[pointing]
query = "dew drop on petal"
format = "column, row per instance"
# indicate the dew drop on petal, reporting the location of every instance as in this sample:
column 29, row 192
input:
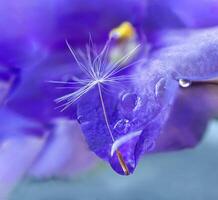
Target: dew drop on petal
column 122, row 126
column 80, row 119
column 184, row 83
column 149, row 145
column 129, row 101
column 160, row 87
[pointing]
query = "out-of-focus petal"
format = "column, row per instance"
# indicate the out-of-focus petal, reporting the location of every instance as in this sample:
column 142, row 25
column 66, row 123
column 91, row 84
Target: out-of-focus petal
column 8, row 81
column 191, row 12
column 180, row 14
column 15, row 125
column 15, row 56
column 37, row 94
column 65, row 152
column 17, row 155
column 161, row 15
column 51, row 22
column 20, row 142
column 189, row 116
column 20, row 53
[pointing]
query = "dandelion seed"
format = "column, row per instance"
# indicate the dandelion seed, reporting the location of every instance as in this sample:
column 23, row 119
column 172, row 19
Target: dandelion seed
column 99, row 72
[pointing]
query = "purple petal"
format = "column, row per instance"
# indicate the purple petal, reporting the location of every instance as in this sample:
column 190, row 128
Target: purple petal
column 51, row 22
column 191, row 12
column 156, row 86
column 189, row 116
column 127, row 119
column 180, row 14
column 17, row 156
column 192, row 56
column 65, row 152
column 18, row 150
column 8, row 80
column 38, row 94
column 20, row 53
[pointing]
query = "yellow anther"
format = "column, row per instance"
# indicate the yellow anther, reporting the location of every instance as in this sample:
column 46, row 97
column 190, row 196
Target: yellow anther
column 123, row 32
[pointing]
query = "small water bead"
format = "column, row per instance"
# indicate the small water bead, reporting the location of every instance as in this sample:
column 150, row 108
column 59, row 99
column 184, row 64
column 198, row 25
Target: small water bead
column 149, row 145
column 160, row 87
column 184, row 83
column 130, row 101
column 122, row 126
column 80, row 119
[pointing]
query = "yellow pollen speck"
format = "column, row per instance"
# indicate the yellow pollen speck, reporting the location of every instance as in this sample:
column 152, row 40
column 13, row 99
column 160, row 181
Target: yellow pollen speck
column 123, row 32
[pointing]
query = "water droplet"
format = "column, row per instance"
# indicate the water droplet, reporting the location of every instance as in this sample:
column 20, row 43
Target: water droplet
column 80, row 119
column 149, row 145
column 184, row 83
column 160, row 87
column 122, row 126
column 129, row 101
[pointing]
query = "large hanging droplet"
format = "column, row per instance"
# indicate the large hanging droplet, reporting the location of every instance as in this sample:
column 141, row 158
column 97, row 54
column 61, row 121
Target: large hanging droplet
column 122, row 126
column 184, row 83
column 129, row 101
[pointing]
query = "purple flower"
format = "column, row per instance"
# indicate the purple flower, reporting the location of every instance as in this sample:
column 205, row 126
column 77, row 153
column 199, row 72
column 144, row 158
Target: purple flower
column 138, row 112
column 142, row 93
column 41, row 139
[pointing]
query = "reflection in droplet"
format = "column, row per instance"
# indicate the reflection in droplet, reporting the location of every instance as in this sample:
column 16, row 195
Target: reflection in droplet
column 129, row 101
column 122, row 126
column 184, row 83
